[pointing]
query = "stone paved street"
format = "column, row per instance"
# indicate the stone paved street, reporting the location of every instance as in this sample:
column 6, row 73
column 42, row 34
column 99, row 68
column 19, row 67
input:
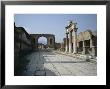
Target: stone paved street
column 49, row 63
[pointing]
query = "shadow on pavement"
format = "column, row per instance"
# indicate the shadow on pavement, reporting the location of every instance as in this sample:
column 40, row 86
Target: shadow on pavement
column 38, row 69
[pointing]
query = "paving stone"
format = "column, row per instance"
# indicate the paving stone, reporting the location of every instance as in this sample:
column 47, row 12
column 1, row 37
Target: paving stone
column 48, row 63
column 40, row 73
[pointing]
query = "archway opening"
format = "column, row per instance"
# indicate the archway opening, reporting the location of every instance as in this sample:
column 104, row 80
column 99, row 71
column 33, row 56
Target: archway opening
column 42, row 43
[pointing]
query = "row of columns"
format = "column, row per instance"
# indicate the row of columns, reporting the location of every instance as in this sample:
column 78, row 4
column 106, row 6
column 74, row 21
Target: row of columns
column 71, row 46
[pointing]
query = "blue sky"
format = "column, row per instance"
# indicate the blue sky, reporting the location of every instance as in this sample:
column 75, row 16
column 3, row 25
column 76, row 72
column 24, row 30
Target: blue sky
column 55, row 23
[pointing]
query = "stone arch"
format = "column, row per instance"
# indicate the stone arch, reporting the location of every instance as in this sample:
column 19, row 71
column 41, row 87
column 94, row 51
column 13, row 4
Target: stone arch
column 50, row 39
column 42, row 40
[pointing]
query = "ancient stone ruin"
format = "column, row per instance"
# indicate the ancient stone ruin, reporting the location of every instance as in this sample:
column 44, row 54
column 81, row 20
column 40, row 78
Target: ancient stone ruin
column 82, row 43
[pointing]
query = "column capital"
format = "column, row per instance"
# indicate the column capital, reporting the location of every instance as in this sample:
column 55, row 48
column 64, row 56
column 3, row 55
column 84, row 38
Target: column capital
column 67, row 32
column 75, row 29
column 70, row 30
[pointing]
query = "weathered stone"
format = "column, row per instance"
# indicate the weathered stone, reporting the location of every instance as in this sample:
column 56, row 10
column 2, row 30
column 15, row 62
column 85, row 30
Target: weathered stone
column 50, row 39
column 85, row 42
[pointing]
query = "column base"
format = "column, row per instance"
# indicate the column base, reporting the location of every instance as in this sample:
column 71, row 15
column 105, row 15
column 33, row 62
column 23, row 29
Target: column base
column 74, row 52
column 70, row 51
column 66, row 51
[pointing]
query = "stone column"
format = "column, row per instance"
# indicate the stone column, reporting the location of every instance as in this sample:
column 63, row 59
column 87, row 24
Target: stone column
column 91, row 43
column 67, row 46
column 75, row 41
column 70, row 41
column 84, row 50
column 62, row 47
column 53, row 42
column 92, row 47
